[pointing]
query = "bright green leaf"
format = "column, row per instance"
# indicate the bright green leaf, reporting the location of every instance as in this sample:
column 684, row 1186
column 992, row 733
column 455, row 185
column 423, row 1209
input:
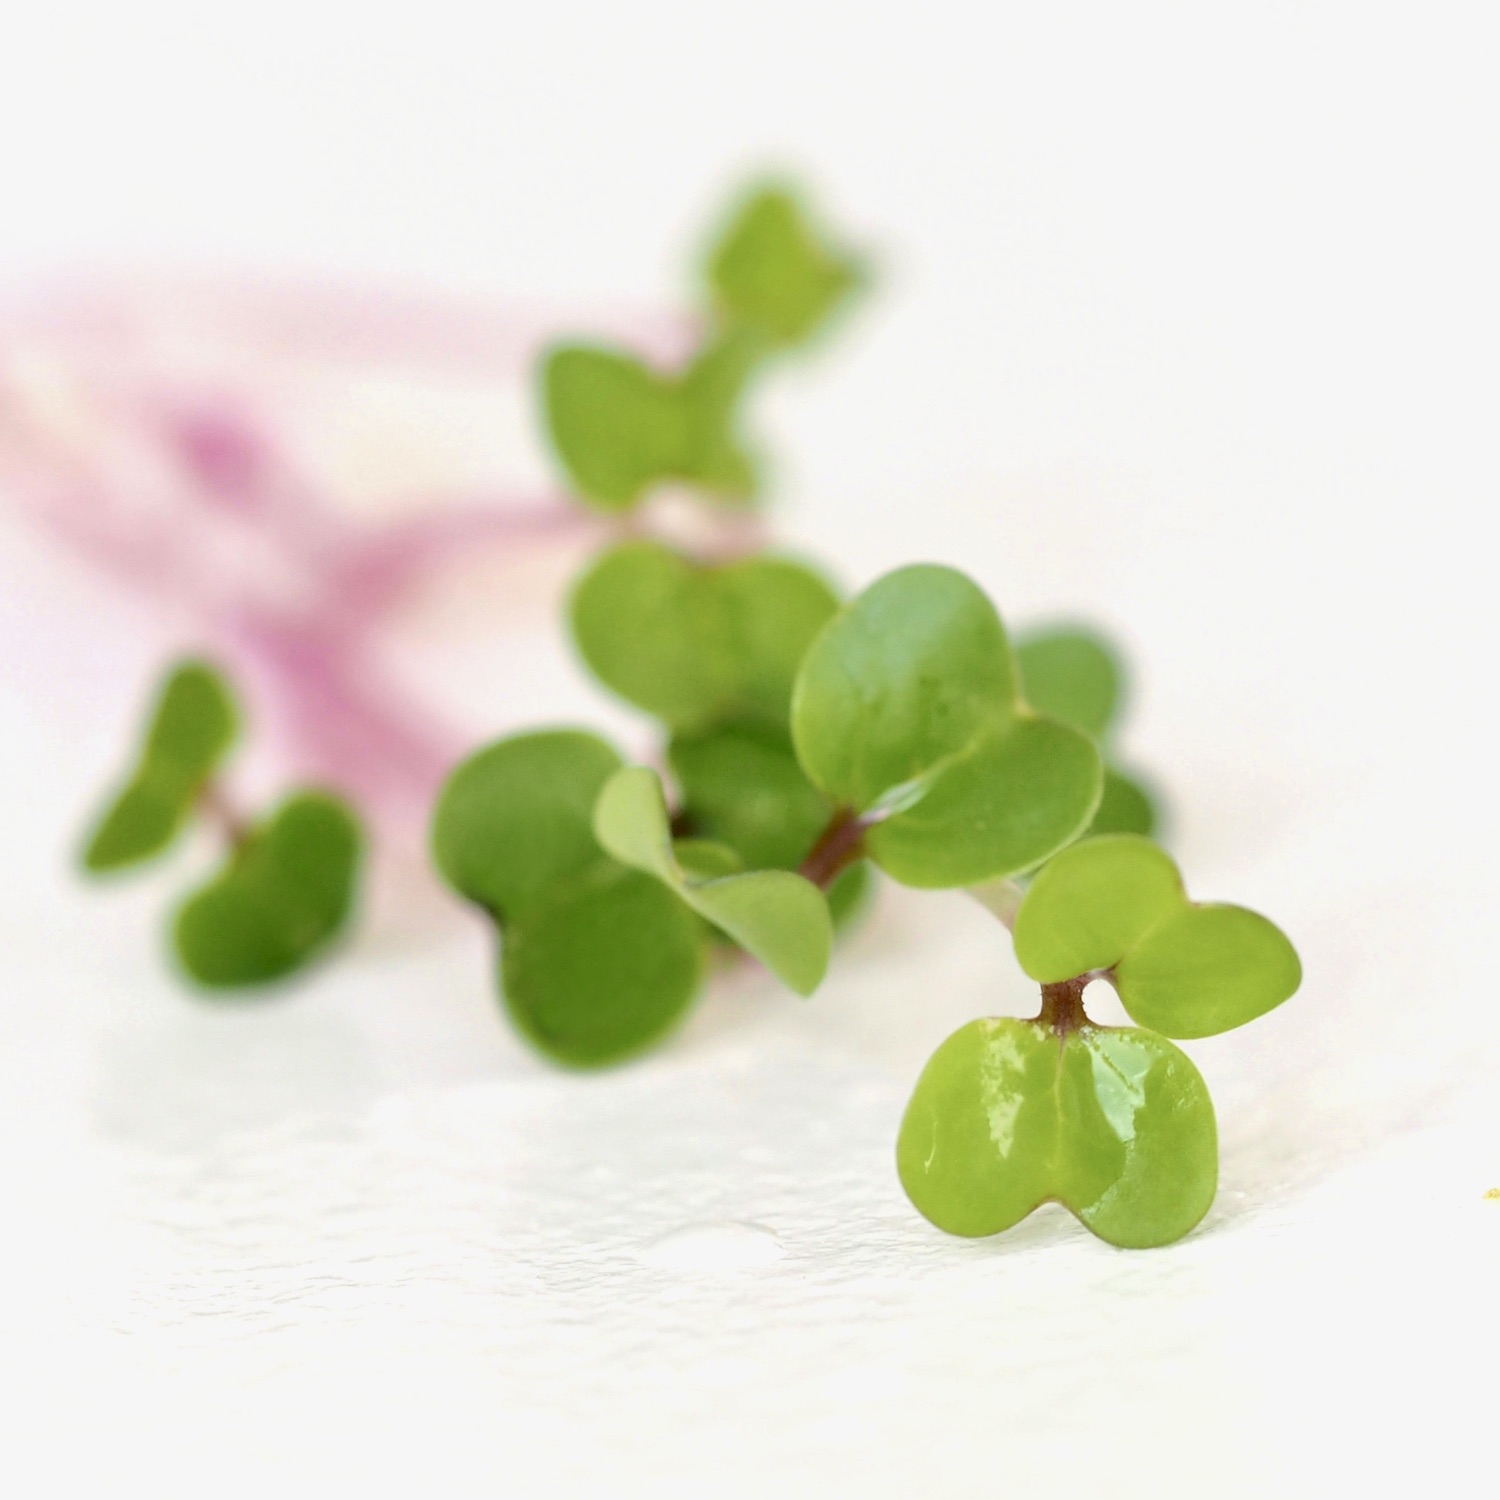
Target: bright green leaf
column 1071, row 674
column 775, row 915
column 1091, row 904
column 695, row 644
column 906, row 710
column 1207, row 969
column 1115, row 1124
column 1117, row 903
column 1003, row 807
column 517, row 816
column 601, row 965
column 773, row 272
column 192, row 728
column 282, row 897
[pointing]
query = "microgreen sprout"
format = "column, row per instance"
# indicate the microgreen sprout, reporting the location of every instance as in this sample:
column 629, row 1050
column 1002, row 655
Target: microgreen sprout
column 288, row 882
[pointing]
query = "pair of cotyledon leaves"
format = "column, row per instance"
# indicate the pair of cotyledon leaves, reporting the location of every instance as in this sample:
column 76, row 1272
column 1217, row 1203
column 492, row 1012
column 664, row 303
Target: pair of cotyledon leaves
column 1115, row 1123
column 287, row 887
column 904, row 710
column 621, row 427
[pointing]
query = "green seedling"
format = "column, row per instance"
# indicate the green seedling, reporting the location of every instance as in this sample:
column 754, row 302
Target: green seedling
column 1073, row 674
column 288, row 884
column 620, row 428
column 1113, row 1122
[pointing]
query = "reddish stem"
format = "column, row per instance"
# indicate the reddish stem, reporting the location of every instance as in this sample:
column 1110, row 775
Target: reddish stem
column 839, row 845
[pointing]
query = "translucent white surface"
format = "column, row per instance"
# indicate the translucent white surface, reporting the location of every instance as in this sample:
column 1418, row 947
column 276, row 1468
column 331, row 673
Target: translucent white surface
column 1188, row 326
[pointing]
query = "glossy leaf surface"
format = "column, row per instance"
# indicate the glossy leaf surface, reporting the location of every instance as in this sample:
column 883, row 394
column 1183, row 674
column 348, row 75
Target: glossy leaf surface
column 775, row 915
column 1114, row 1124
column 192, row 727
column 692, row 644
column 282, row 897
column 602, row 965
column 906, row 709
column 518, row 815
column 773, row 272
column 1185, row 970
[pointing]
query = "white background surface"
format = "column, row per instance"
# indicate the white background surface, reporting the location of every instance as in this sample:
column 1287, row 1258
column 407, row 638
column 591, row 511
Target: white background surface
column 1188, row 319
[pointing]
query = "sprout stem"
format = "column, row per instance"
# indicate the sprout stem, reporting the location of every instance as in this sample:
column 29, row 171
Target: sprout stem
column 1062, row 1005
column 840, row 845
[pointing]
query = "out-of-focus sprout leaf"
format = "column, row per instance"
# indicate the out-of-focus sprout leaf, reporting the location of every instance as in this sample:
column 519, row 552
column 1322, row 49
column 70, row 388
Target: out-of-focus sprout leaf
column 1125, row 807
column 601, row 965
column 775, row 915
column 1116, row 1125
column 693, row 644
column 192, row 727
column 620, row 428
column 773, row 271
column 1071, row 674
column 1117, row 904
column 517, row 816
column 741, row 784
column 906, row 710
column 285, row 893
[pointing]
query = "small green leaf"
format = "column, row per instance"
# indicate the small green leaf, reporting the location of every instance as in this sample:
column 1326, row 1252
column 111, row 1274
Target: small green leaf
column 1207, row 969
column 192, row 728
column 702, row 859
column 850, row 895
column 601, row 965
column 1125, row 807
column 694, row 644
column 741, row 784
column 775, row 915
column 1117, row 903
column 1070, row 673
column 906, row 710
column 1091, row 904
column 283, row 896
column 1115, row 1124
column 517, row 816
column 772, row 271
column 617, row 426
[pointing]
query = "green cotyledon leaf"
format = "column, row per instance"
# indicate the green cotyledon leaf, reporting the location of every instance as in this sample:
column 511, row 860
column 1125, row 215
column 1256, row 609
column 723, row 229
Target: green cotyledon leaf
column 517, row 816
column 284, row 894
column 192, row 728
column 1125, row 807
column 601, row 965
column 695, row 644
column 906, row 710
column 1116, row 1124
column 772, row 271
column 620, row 428
column 775, row 915
column 1117, row 904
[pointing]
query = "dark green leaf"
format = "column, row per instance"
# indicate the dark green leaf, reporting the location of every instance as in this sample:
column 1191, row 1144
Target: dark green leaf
column 283, row 896
column 1071, row 674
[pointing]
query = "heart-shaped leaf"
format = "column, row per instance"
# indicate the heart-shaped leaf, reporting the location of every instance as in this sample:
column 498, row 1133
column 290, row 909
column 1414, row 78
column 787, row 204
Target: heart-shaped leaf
column 906, row 710
column 191, row 729
column 1116, row 1125
column 603, row 964
column 694, row 644
column 771, row 271
column 1117, row 903
column 283, row 896
column 775, row 915
column 518, row 816
column 620, row 427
